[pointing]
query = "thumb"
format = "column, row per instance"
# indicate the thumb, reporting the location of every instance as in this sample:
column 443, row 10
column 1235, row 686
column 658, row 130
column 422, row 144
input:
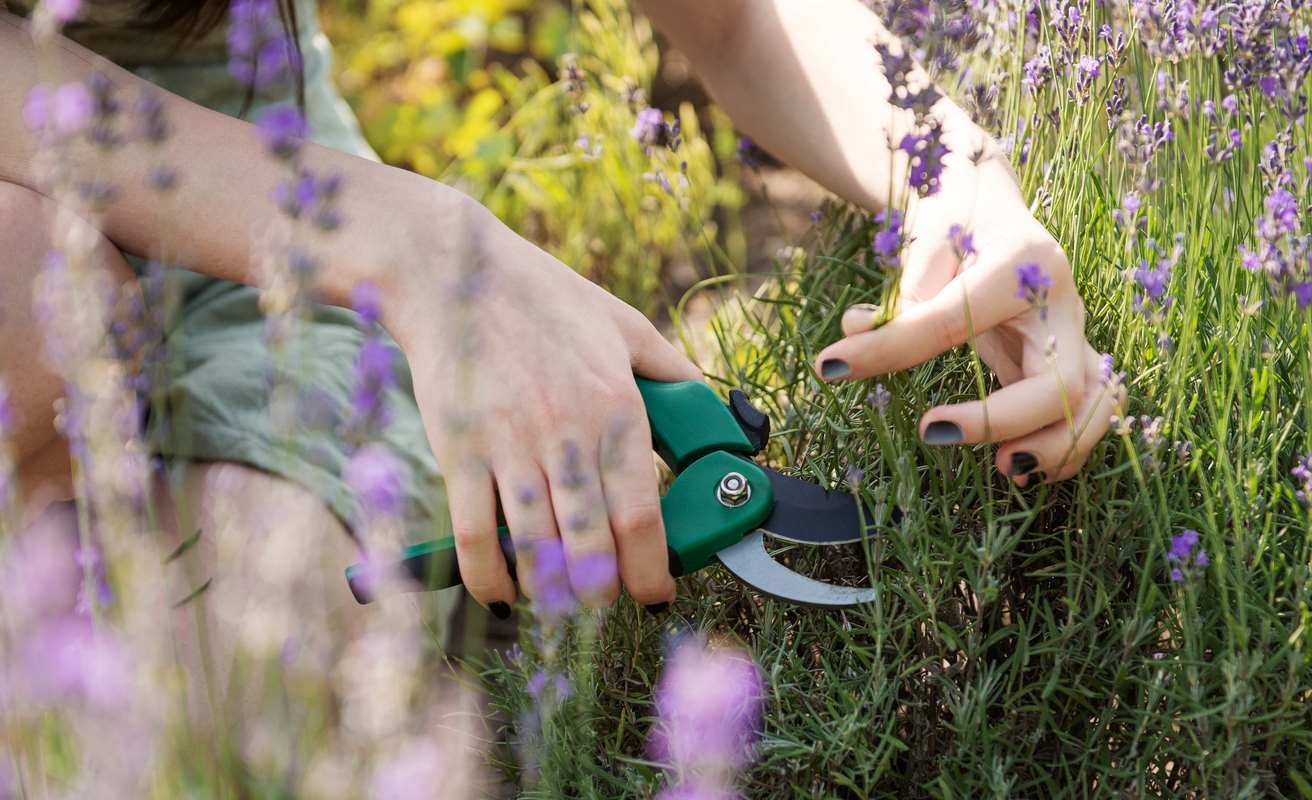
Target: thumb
column 655, row 358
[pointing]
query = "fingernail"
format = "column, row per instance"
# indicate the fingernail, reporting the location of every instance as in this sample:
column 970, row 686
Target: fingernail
column 656, row 609
column 871, row 307
column 500, row 610
column 944, row 432
column 1022, row 463
column 831, row 369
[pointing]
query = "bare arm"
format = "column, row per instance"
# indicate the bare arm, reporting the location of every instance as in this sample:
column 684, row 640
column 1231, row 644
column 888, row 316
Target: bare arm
column 524, row 378
column 803, row 79
column 227, row 180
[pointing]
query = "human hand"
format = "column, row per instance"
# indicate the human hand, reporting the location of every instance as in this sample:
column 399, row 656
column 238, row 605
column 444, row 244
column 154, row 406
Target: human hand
column 1009, row 287
column 524, row 376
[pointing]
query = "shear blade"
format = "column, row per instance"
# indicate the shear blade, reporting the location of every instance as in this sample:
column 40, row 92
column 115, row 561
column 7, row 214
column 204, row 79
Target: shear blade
column 805, row 513
column 751, row 564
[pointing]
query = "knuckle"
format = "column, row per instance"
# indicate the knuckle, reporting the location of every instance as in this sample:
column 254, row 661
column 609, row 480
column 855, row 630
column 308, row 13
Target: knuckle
column 948, row 327
column 467, row 536
column 635, row 521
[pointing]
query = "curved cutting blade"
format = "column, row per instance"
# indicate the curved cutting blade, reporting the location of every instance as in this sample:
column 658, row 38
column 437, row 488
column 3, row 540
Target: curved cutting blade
column 751, row 564
column 804, row 513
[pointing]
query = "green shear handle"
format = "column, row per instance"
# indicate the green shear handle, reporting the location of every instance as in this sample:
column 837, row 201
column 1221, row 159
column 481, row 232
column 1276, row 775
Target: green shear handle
column 717, row 498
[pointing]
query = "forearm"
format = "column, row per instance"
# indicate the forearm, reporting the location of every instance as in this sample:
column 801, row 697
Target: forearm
column 802, row 78
column 210, row 220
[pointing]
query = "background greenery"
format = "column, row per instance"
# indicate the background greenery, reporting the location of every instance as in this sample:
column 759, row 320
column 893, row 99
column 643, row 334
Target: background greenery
column 1025, row 643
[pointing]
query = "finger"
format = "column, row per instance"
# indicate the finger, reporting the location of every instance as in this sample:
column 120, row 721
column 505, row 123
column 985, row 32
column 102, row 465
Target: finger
column 861, row 318
column 1059, row 450
column 1021, row 407
column 474, row 526
column 972, row 302
column 995, row 348
column 633, row 502
column 580, row 510
column 527, row 509
column 928, row 263
column 651, row 355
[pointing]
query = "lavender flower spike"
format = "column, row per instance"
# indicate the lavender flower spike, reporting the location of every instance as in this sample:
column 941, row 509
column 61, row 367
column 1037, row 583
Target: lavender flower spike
column 1032, row 285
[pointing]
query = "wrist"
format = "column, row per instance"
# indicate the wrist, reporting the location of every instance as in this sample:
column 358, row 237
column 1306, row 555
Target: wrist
column 440, row 234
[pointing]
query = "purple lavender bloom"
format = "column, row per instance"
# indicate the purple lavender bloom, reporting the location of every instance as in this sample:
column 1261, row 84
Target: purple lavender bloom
column 367, row 301
column 552, row 596
column 375, row 374
column 1302, row 472
column 853, row 474
column 888, row 239
column 260, row 54
column 592, row 572
column 926, row 152
column 1107, row 374
column 411, row 772
column 879, row 398
column 963, row 242
column 72, row 659
column 283, row 128
column 1032, row 285
column 1186, row 555
column 648, row 127
column 708, row 704
column 543, row 682
column 377, row 477
column 67, row 110
column 1282, row 210
column 747, row 153
column 63, row 11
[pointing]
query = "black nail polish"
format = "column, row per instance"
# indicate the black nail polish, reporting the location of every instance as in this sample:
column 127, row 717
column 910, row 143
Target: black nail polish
column 500, row 610
column 1022, row 463
column 657, row 609
column 944, row 432
column 871, row 307
column 831, row 369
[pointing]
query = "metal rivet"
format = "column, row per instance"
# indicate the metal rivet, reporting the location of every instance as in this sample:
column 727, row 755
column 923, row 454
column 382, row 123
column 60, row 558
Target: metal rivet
column 734, row 490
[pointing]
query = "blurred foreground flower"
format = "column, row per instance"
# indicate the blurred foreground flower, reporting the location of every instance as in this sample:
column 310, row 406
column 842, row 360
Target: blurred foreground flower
column 709, row 711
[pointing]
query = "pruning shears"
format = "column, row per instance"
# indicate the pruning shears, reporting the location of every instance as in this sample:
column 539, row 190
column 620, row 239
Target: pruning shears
column 719, row 506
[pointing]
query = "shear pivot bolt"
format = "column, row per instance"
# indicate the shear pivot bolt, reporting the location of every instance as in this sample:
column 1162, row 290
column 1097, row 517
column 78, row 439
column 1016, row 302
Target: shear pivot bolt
column 734, row 490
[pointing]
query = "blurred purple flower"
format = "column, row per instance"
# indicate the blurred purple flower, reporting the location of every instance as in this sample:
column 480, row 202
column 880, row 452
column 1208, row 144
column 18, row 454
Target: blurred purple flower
column 66, row 110
column 1032, row 285
column 552, row 596
column 377, row 477
column 374, row 374
column 648, row 127
column 367, row 301
column 1302, row 472
column 64, row 11
column 260, row 53
column 592, row 572
column 1183, row 556
column 747, row 152
column 72, row 659
column 1107, row 374
column 39, row 577
column 414, row 771
column 543, row 682
column 963, row 242
column 853, row 474
column 282, row 128
column 708, row 706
